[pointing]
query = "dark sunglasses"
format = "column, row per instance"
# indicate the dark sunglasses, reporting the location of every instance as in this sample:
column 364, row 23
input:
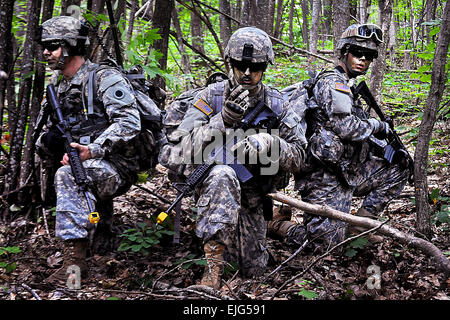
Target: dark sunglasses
column 51, row 46
column 244, row 65
column 359, row 53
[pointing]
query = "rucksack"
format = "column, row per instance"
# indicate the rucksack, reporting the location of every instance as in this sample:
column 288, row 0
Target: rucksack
column 152, row 136
column 299, row 95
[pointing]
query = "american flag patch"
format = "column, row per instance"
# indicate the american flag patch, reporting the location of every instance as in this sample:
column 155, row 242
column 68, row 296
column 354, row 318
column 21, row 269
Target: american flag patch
column 342, row 87
column 203, row 107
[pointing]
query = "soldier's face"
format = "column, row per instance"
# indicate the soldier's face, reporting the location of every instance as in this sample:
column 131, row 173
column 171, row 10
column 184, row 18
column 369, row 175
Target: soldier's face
column 358, row 64
column 52, row 54
column 247, row 78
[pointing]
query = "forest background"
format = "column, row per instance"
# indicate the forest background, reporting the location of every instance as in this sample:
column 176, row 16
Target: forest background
column 179, row 43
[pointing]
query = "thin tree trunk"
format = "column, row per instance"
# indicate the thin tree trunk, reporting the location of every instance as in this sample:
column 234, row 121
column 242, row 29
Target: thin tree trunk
column 27, row 67
column 291, row 22
column 305, row 12
column 131, row 17
column 185, row 63
column 161, row 19
column 314, row 32
column 37, row 95
column 225, row 22
column 341, row 20
column 379, row 65
column 6, row 8
column 438, row 80
column 280, row 7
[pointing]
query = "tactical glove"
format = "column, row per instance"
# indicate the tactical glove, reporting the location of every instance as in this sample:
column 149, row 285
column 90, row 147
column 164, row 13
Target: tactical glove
column 259, row 143
column 383, row 130
column 235, row 106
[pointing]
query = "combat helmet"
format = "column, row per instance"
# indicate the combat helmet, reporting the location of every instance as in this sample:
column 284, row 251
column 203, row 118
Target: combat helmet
column 367, row 36
column 250, row 44
column 65, row 28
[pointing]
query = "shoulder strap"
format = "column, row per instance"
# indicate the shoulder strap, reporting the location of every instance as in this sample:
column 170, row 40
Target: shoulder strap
column 217, row 99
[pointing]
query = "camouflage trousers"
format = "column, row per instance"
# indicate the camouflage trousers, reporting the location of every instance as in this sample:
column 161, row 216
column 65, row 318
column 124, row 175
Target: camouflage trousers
column 233, row 217
column 72, row 211
column 376, row 180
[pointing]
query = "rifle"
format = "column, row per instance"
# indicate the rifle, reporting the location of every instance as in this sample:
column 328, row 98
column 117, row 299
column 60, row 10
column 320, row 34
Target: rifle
column 261, row 115
column 394, row 150
column 76, row 166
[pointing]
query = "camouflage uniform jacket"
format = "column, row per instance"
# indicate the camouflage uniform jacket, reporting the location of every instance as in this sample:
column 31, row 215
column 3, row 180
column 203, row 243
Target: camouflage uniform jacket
column 110, row 128
column 197, row 126
column 342, row 127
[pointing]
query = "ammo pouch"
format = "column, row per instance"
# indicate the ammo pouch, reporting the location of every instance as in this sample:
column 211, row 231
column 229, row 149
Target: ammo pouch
column 326, row 147
column 87, row 131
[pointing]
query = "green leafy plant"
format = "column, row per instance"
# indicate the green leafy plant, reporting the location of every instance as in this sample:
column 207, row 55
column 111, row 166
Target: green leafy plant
column 140, row 239
column 359, row 243
column 305, row 289
column 6, row 252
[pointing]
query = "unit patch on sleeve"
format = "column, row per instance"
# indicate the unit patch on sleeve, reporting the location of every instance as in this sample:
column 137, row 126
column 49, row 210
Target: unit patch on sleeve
column 203, row 107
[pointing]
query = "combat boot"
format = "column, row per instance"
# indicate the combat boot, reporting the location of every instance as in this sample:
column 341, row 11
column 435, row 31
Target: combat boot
column 74, row 253
column 215, row 262
column 281, row 223
column 355, row 230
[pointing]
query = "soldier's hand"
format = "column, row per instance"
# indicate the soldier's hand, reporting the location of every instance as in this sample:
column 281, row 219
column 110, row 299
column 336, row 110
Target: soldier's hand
column 383, row 131
column 83, row 152
column 235, row 106
column 259, row 143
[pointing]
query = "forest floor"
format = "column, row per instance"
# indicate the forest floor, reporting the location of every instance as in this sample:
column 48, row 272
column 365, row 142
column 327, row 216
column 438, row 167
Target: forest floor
column 172, row 272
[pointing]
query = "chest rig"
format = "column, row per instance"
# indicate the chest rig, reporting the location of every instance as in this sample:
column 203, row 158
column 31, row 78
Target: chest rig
column 81, row 107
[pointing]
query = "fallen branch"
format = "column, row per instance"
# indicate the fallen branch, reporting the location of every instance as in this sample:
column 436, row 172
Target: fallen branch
column 322, row 210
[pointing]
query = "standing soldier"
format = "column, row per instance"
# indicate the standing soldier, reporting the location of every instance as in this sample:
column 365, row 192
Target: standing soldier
column 230, row 218
column 342, row 161
column 104, row 126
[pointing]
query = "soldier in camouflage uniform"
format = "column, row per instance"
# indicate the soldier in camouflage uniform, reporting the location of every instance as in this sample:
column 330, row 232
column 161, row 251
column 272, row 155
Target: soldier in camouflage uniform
column 341, row 161
column 230, row 213
column 104, row 127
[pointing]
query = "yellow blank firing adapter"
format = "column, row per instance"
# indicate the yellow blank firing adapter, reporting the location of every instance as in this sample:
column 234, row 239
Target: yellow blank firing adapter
column 94, row 217
column 161, row 217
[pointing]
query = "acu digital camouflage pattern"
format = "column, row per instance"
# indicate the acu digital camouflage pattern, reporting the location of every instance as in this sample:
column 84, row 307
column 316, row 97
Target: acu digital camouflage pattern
column 229, row 212
column 62, row 28
column 358, row 171
column 113, row 167
column 262, row 45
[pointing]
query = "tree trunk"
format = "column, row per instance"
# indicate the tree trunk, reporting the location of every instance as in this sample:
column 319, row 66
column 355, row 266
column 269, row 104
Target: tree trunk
column 161, row 19
column 131, row 17
column 37, row 95
column 341, row 20
column 197, row 33
column 185, row 63
column 291, row 22
column 438, row 80
column 280, row 7
column 6, row 9
column 261, row 15
column 27, row 67
column 379, row 65
column 225, row 22
column 271, row 17
column 245, row 18
column 305, row 12
column 314, row 32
